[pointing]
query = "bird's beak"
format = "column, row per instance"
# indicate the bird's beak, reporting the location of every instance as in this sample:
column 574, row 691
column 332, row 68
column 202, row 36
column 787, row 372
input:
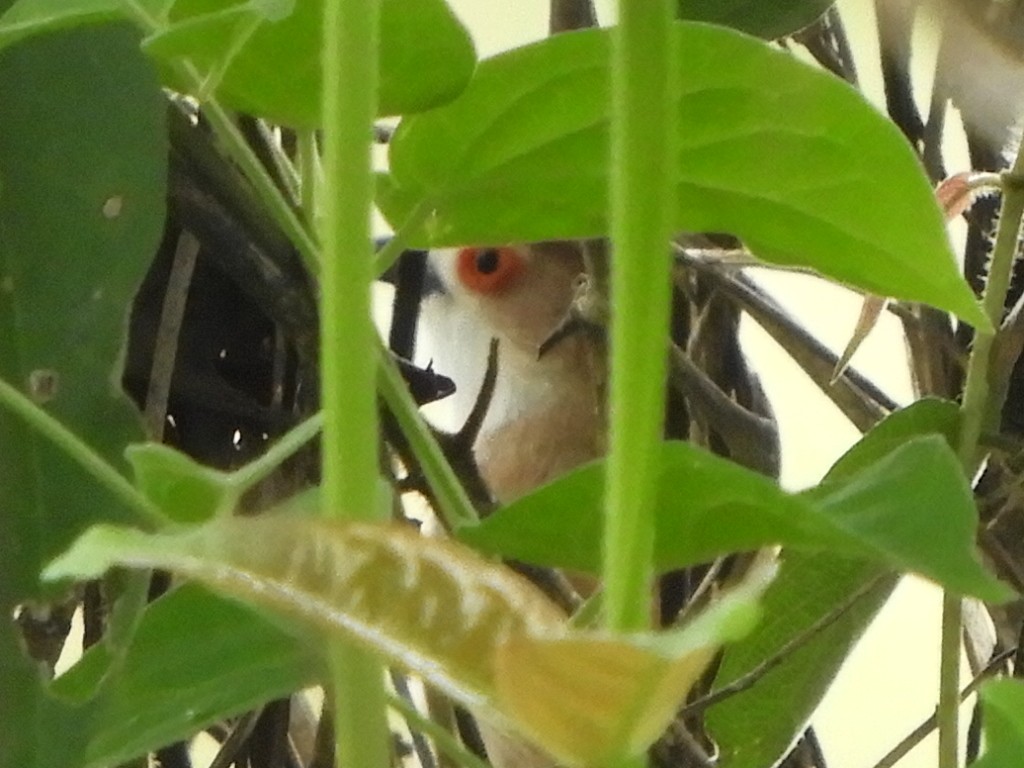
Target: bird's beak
column 414, row 278
column 425, row 384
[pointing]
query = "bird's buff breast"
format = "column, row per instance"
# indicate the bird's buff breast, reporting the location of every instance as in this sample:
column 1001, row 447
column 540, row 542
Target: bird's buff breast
column 524, row 453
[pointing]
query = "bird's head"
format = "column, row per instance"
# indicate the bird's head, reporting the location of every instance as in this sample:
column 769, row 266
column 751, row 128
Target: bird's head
column 520, row 293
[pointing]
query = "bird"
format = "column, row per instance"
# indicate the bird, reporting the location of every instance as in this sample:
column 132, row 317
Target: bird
column 546, row 414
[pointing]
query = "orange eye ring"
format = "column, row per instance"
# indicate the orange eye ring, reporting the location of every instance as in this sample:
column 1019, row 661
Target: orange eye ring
column 489, row 270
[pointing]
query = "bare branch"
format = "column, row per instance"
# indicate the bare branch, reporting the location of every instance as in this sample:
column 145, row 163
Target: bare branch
column 567, row 15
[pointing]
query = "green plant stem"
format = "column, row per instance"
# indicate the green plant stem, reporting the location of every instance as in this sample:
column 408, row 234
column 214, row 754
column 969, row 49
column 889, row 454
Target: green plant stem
column 453, row 502
column 979, row 411
column 82, row 454
column 238, row 40
column 238, row 148
column 348, row 365
column 259, row 469
column 399, row 241
column 948, row 712
column 360, row 715
column 641, row 194
column 126, row 615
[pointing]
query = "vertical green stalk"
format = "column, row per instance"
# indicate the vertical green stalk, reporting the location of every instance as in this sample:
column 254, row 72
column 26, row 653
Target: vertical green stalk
column 641, row 195
column 948, row 713
column 978, row 412
column 348, row 359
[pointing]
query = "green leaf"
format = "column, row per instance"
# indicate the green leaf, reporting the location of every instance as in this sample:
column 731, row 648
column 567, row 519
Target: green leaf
column 560, row 689
column 58, row 731
column 1003, row 702
column 26, row 18
column 427, row 56
column 195, row 659
column 928, row 416
column 471, row 627
column 82, row 184
column 914, row 511
column 187, row 492
column 83, row 163
column 442, row 610
column 277, row 73
column 708, row 506
column 757, row 726
column 755, row 17
column 785, row 156
column 225, row 30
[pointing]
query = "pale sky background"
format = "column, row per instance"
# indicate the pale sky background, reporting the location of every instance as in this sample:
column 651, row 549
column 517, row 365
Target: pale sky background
column 890, row 685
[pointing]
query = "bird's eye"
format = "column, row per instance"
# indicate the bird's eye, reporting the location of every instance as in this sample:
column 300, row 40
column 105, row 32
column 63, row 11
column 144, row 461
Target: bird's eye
column 489, row 270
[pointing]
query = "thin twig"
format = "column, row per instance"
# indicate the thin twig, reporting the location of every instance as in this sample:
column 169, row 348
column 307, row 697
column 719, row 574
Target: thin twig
column 165, row 349
column 567, row 15
column 698, row 599
column 863, row 403
column 894, row 25
column 283, row 165
column 935, row 126
column 826, row 41
column 474, row 422
column 424, row 757
column 444, row 740
column 752, row 439
column 410, row 278
column 236, row 739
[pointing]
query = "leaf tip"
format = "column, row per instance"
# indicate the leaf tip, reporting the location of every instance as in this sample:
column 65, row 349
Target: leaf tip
column 90, row 555
column 996, row 591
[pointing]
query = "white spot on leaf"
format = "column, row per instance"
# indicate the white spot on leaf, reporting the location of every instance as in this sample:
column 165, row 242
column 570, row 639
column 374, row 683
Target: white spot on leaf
column 112, row 206
column 43, row 385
